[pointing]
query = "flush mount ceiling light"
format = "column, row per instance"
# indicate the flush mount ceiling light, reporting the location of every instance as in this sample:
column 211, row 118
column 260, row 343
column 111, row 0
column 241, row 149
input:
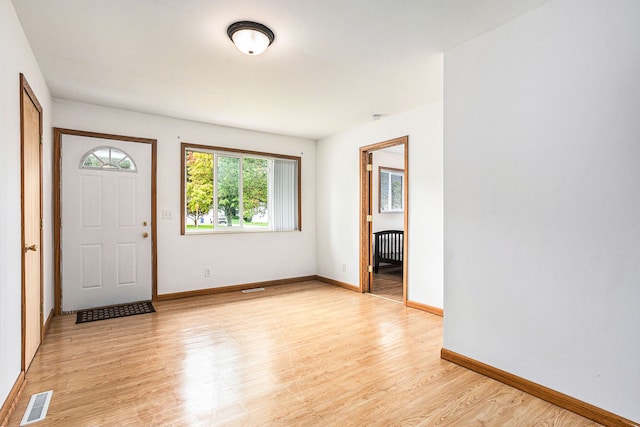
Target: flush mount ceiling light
column 250, row 38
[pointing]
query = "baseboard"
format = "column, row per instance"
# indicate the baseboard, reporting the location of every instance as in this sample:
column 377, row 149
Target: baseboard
column 12, row 399
column 559, row 399
column 211, row 291
column 47, row 324
column 424, row 307
column 338, row 283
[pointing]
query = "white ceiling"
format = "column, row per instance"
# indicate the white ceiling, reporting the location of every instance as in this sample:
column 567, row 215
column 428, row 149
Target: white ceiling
column 333, row 64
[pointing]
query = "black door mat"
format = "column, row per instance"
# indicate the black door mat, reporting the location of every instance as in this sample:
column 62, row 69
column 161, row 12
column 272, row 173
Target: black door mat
column 116, row 311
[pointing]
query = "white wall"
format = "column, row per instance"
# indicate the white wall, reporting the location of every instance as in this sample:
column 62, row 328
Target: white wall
column 339, row 204
column 233, row 258
column 387, row 220
column 15, row 58
column 542, row 200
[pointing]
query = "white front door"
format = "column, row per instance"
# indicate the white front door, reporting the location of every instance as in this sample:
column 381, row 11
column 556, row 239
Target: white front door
column 106, row 222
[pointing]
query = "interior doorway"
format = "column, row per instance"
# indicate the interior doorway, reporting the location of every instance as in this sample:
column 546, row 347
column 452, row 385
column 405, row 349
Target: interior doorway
column 384, row 200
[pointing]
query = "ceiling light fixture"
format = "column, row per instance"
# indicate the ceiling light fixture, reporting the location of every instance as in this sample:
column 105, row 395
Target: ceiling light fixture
column 251, row 38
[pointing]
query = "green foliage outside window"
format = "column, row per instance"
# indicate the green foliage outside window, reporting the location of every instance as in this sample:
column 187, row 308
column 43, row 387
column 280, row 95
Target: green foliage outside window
column 227, row 190
column 255, row 187
column 199, row 189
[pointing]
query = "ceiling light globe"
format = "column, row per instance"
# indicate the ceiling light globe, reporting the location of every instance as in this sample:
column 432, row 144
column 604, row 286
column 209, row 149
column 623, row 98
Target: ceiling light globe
column 251, row 38
column 250, row 42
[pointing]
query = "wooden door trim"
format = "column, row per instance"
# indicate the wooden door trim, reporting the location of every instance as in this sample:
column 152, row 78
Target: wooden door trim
column 57, row 207
column 25, row 90
column 365, row 209
column 366, row 157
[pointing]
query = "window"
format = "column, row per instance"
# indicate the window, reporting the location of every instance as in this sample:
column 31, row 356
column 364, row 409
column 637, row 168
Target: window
column 231, row 190
column 391, row 184
column 107, row 158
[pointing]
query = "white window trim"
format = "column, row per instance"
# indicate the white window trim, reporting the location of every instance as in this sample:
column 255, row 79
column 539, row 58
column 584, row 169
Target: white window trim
column 390, row 172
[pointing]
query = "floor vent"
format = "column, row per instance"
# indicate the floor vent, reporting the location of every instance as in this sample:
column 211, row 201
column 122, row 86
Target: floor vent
column 248, row 291
column 37, row 408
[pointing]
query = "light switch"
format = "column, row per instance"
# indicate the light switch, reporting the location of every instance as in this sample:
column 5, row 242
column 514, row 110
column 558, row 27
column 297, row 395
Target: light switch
column 167, row 214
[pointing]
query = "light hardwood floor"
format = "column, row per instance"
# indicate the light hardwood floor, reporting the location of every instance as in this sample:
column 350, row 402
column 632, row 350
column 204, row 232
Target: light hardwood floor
column 306, row 354
column 388, row 283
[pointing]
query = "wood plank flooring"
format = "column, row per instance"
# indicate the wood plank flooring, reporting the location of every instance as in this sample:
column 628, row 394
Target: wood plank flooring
column 307, row 354
column 388, row 283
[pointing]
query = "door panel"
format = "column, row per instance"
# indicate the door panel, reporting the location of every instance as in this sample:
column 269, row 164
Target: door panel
column 106, row 240
column 91, row 266
column 31, row 224
column 126, row 202
column 91, row 201
column 126, row 264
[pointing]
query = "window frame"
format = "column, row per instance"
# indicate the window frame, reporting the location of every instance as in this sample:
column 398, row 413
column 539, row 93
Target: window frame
column 390, row 171
column 231, row 152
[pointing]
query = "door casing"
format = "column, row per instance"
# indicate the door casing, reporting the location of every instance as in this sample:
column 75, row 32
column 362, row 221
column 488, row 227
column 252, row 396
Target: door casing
column 366, row 256
column 57, row 206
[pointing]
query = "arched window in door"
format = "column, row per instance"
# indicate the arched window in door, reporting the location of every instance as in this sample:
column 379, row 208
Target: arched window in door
column 108, row 158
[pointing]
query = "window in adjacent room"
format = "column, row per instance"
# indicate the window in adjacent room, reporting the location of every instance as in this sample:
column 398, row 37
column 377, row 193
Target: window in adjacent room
column 390, row 183
column 232, row 190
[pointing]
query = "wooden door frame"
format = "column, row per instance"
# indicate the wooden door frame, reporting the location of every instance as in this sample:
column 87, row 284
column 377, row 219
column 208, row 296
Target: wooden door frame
column 25, row 90
column 57, row 206
column 366, row 209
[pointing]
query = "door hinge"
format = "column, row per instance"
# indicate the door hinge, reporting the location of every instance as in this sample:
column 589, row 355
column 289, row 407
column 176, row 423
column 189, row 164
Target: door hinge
column 40, row 139
column 369, row 167
column 370, row 269
column 369, row 218
column 41, row 223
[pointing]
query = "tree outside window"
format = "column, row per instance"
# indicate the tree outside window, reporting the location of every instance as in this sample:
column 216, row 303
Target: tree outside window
column 234, row 190
column 199, row 188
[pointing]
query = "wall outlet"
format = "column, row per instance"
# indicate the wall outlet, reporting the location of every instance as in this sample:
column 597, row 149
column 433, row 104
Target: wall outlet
column 207, row 272
column 343, row 267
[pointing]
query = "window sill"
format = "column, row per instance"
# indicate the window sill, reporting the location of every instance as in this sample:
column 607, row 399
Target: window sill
column 244, row 231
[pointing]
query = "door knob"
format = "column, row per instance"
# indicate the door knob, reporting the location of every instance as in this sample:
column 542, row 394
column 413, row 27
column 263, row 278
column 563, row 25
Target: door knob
column 145, row 235
column 30, row 248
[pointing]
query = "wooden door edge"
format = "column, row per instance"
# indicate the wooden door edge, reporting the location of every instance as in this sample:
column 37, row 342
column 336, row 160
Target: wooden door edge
column 25, row 89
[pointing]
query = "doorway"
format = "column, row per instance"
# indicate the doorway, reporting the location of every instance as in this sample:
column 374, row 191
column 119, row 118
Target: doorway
column 31, row 190
column 105, row 197
column 384, row 200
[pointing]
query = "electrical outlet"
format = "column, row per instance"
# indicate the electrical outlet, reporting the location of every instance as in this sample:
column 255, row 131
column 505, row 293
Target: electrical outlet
column 343, row 267
column 207, row 272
